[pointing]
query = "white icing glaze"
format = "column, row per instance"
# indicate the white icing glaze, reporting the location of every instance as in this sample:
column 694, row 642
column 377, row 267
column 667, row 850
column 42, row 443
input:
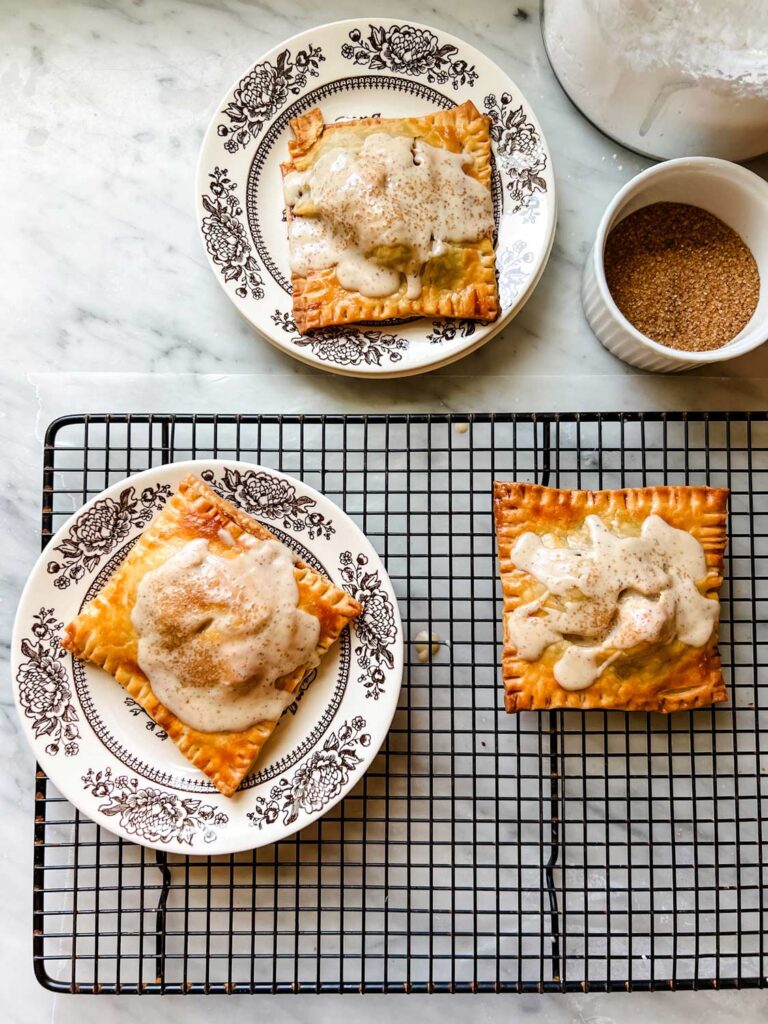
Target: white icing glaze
column 632, row 592
column 216, row 633
column 391, row 195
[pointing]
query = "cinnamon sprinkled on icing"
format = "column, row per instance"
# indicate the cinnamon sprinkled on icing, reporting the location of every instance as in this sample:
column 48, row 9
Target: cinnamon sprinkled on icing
column 606, row 595
column 378, row 213
column 216, row 633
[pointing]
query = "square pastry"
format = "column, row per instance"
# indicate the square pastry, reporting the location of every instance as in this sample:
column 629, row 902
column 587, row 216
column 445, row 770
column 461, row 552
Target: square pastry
column 211, row 624
column 390, row 218
column 611, row 597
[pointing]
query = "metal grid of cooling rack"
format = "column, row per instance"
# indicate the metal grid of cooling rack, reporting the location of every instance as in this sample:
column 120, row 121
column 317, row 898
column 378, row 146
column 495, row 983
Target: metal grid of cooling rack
column 482, row 852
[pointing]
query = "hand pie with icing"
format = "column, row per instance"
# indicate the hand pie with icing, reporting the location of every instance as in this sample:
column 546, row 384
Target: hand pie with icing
column 611, row 597
column 390, row 218
column 189, row 601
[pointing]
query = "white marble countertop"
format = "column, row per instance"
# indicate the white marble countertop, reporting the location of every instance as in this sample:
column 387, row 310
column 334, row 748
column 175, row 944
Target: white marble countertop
column 105, row 106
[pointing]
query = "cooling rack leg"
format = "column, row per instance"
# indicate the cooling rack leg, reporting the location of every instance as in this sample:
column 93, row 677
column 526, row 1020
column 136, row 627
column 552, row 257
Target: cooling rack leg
column 554, row 757
column 165, row 440
column 160, row 916
column 554, row 851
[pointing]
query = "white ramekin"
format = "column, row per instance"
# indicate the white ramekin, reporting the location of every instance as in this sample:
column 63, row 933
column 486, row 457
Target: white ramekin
column 732, row 193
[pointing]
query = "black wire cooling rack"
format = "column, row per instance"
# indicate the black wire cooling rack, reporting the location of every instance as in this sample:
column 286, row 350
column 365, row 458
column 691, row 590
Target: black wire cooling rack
column 563, row 851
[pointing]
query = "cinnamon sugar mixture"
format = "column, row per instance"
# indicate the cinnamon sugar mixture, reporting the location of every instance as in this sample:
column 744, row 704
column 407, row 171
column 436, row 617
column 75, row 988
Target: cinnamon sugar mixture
column 681, row 276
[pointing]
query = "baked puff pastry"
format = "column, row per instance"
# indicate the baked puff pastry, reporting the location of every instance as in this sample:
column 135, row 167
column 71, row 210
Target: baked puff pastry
column 611, row 597
column 104, row 632
column 391, row 218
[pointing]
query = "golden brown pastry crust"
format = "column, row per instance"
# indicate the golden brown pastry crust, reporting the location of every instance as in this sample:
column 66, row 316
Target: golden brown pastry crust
column 320, row 301
column 103, row 634
column 672, row 677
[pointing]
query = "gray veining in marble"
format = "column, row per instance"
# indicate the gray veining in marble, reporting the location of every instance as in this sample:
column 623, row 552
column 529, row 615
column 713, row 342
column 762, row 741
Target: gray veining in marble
column 104, row 107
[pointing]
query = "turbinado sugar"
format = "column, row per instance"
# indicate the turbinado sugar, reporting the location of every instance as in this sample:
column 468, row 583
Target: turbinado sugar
column 681, row 276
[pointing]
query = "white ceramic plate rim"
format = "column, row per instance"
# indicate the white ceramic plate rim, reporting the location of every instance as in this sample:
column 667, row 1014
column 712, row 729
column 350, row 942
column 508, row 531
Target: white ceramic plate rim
column 65, row 776
column 430, row 359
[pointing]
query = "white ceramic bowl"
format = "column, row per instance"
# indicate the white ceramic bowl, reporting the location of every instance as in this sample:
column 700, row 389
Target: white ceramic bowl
column 732, row 193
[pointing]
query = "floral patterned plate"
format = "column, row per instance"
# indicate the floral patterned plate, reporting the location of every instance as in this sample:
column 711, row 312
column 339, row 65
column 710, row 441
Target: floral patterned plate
column 116, row 765
column 357, row 69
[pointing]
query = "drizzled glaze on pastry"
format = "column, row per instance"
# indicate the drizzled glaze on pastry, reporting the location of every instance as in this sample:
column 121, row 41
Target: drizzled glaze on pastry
column 620, row 593
column 379, row 212
column 216, row 633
